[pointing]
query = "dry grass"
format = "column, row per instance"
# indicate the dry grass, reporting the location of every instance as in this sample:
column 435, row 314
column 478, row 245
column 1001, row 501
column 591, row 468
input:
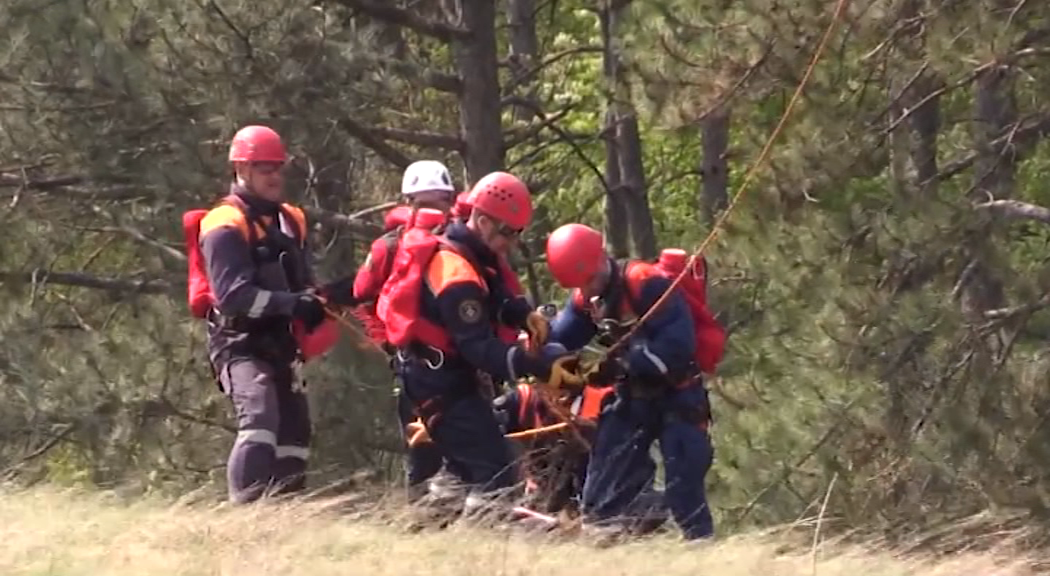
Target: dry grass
column 46, row 531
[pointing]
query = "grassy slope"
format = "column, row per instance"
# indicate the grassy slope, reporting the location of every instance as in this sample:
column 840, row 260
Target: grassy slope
column 46, row 531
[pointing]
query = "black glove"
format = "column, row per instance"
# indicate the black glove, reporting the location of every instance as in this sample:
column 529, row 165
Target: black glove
column 340, row 292
column 309, row 310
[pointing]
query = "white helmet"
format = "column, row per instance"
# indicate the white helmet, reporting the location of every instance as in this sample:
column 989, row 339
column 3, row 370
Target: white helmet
column 426, row 176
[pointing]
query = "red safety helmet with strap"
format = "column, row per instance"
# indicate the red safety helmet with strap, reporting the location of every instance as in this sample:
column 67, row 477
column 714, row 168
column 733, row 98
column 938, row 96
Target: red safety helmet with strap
column 575, row 253
column 257, row 144
column 399, row 304
column 504, row 197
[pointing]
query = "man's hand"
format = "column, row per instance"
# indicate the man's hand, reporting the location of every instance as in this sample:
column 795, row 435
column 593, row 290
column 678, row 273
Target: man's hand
column 538, row 328
column 417, row 433
column 310, row 311
column 563, row 372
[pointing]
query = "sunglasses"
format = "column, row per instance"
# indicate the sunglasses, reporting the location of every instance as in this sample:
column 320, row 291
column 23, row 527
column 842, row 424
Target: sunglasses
column 506, row 231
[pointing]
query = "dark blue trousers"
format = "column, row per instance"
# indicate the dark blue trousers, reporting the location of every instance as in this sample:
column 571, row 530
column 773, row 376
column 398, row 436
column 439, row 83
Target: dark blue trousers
column 621, row 469
column 460, row 421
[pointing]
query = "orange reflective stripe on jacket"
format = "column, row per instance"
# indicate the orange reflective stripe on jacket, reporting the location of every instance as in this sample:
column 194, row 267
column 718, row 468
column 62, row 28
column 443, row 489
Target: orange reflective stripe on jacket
column 447, row 268
column 230, row 215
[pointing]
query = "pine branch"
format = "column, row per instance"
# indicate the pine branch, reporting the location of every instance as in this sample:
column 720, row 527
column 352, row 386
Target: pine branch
column 450, row 83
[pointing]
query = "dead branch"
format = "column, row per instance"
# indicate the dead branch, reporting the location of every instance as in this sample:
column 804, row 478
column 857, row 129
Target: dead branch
column 377, row 144
column 420, row 138
column 40, row 276
column 43, row 449
column 382, row 10
column 517, row 137
column 233, row 27
column 351, row 222
column 1019, row 310
column 547, row 62
column 1016, row 210
column 561, row 134
column 1019, row 138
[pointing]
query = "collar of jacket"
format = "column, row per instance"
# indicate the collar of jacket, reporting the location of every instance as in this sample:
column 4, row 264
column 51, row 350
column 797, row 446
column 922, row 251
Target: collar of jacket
column 458, row 232
column 261, row 206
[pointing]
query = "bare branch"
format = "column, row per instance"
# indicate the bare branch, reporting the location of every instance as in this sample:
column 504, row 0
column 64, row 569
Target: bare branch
column 43, row 449
column 562, row 136
column 420, row 138
column 39, row 276
column 1016, row 210
column 527, row 75
column 233, row 27
column 351, row 222
column 1019, row 138
column 382, row 10
column 514, row 138
column 1022, row 309
column 377, row 144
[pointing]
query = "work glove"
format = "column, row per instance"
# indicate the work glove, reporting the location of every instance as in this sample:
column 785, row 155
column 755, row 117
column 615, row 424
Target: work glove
column 310, row 311
column 340, row 292
column 538, row 328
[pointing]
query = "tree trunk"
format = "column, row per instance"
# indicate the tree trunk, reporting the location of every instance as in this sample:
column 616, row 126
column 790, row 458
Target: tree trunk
column 994, row 174
column 617, row 228
column 624, row 140
column 523, row 48
column 714, row 167
column 479, row 112
column 632, row 173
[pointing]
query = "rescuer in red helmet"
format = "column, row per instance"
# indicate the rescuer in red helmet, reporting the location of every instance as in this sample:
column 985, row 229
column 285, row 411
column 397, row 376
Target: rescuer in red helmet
column 453, row 307
column 255, row 288
column 658, row 385
column 424, row 184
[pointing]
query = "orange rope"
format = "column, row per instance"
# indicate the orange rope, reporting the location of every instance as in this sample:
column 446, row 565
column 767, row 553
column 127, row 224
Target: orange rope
column 537, row 431
column 839, row 9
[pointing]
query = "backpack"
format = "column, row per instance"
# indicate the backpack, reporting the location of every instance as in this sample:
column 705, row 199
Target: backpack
column 199, row 295
column 710, row 335
column 365, row 313
column 400, row 301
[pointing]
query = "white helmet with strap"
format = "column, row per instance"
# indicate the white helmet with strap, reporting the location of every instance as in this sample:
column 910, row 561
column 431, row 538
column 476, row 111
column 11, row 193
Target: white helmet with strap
column 426, row 176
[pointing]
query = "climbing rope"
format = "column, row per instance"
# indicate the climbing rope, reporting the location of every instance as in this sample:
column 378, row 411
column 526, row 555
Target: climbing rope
column 763, row 155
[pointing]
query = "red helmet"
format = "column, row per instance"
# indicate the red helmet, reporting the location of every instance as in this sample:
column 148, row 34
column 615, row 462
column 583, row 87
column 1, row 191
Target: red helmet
column 257, row 144
column 503, row 197
column 575, row 253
